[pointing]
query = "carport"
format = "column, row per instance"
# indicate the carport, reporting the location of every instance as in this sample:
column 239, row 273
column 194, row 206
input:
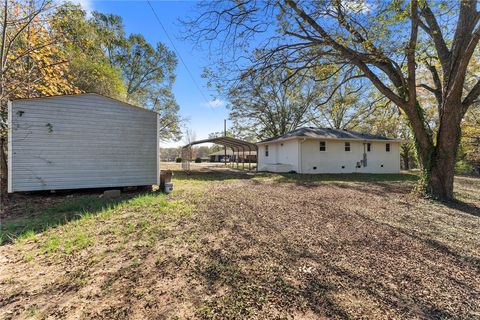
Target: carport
column 238, row 146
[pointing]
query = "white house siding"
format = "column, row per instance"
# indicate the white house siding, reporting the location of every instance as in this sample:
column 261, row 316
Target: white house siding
column 378, row 157
column 335, row 157
column 304, row 156
column 80, row 141
column 282, row 157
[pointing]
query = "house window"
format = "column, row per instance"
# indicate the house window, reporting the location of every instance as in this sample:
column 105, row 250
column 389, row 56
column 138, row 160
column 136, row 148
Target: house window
column 387, row 147
column 266, row 151
column 323, row 146
column 369, row 147
column 347, row 146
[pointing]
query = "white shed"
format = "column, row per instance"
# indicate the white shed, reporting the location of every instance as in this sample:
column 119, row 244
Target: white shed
column 80, row 141
column 321, row 150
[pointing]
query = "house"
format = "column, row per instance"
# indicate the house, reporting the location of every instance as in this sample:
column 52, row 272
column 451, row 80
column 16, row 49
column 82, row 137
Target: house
column 320, row 150
column 247, row 156
column 80, row 141
column 219, row 156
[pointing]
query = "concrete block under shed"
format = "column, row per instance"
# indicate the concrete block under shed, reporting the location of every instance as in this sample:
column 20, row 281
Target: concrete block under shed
column 110, row 194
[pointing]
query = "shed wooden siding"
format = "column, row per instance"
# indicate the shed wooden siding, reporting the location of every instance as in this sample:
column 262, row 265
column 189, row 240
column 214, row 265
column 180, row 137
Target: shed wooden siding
column 81, row 141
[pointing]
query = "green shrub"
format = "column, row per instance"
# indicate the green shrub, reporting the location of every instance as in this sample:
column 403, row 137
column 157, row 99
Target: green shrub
column 178, row 159
column 463, row 167
column 198, row 160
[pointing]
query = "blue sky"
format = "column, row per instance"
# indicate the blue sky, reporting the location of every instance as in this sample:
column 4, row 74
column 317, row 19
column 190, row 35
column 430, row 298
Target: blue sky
column 203, row 116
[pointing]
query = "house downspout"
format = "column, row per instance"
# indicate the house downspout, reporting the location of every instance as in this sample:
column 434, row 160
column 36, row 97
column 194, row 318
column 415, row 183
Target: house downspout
column 364, row 160
column 300, row 163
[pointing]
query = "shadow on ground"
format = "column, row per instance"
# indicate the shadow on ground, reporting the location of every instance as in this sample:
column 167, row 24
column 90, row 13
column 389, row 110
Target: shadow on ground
column 214, row 174
column 329, row 257
column 465, row 207
column 378, row 179
column 34, row 213
column 235, row 245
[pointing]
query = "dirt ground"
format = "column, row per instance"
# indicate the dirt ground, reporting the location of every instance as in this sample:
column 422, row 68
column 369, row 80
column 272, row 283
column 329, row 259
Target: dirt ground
column 230, row 245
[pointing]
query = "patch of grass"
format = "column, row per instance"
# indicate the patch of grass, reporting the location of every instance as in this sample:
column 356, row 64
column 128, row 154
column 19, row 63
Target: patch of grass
column 33, row 312
column 149, row 200
column 26, row 236
column 77, row 241
column 196, row 176
column 21, row 228
column 137, row 222
column 29, row 256
column 179, row 209
column 52, row 244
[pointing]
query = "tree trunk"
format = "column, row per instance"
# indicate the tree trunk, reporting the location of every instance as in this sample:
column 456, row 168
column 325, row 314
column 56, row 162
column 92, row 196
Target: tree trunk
column 440, row 170
column 406, row 156
column 439, row 182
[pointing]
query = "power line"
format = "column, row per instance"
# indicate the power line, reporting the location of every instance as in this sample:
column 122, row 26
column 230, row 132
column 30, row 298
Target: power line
column 177, row 52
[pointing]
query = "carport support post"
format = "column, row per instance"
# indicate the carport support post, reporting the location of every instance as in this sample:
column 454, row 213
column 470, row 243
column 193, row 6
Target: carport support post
column 225, row 134
column 243, row 159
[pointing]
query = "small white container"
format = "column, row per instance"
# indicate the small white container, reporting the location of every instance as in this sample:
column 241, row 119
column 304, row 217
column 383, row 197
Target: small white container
column 168, row 187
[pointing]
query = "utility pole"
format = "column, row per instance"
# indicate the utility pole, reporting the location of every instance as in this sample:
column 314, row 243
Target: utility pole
column 3, row 104
column 225, row 134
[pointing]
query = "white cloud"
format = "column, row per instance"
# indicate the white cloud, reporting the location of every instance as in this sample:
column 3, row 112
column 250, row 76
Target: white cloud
column 215, row 103
column 87, row 5
column 357, row 6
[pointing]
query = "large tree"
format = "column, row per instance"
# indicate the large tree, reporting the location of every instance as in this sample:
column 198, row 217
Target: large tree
column 104, row 60
column 350, row 107
column 387, row 42
column 31, row 63
column 90, row 67
column 471, row 137
column 271, row 104
column 149, row 74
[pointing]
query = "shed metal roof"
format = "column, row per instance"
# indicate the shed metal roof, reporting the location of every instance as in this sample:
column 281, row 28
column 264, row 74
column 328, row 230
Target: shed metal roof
column 327, row 133
column 87, row 94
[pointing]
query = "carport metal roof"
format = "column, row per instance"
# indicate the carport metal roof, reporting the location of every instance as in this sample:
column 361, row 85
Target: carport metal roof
column 226, row 141
column 236, row 145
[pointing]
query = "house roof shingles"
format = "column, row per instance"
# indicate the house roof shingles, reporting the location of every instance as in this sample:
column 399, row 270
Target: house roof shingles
column 327, row 133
